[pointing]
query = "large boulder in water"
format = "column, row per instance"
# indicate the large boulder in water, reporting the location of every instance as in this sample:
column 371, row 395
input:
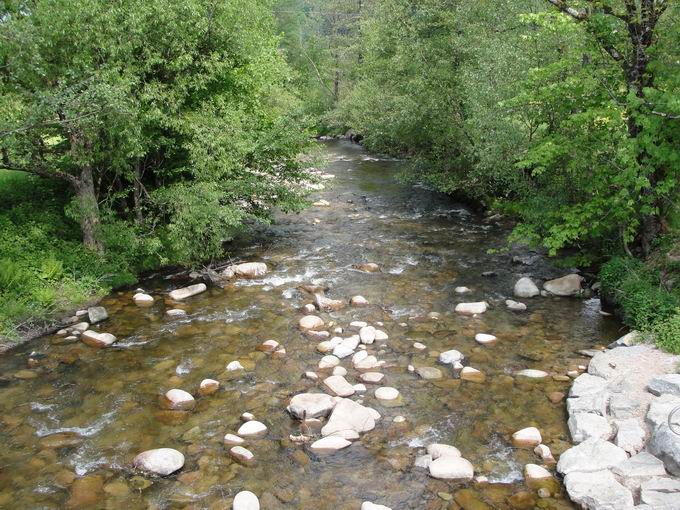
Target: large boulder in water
column 348, row 417
column 161, row 461
column 566, row 286
column 310, row 405
column 246, row 270
column 526, row 288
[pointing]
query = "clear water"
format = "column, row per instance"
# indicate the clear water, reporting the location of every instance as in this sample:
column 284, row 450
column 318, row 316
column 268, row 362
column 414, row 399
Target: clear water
column 106, row 402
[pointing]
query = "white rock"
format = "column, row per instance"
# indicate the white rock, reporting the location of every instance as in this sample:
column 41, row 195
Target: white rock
column 367, row 335
column 340, row 371
column 97, row 314
column 80, row 327
column 668, row 384
column 247, row 416
column 590, row 456
column 483, row 338
column 471, row 308
column 176, row 312
column 187, row 292
column 357, row 325
column 660, row 408
column 630, row 435
column 249, row 269
column 531, row 373
column 339, row 386
column 566, row 286
column 367, row 363
column 309, row 308
column 372, row 377
column 545, row 454
column 462, row 290
column 312, row 376
column 515, row 306
column 429, row 373
column 367, row 505
column 252, row 428
column 450, row 357
column 161, row 461
column 380, row 335
column 177, row 399
column 208, row 387
column 311, row 322
column 451, row 468
column 358, row 301
column 661, row 493
column 639, row 468
column 526, row 288
column 399, row 419
column 586, row 384
column 329, row 362
column 665, row 444
column 329, row 444
column 246, row 500
column 423, row 461
column 535, row 473
column 598, row 490
column 98, row 340
column 310, row 405
column 437, row 450
column 527, row 437
column 269, row 346
column 386, row 393
column 233, row 440
column 233, row 366
column 419, row 346
column 359, row 388
column 241, row 454
column 349, row 416
column 141, row 299
column 342, row 351
column 472, row 374
column 583, row 426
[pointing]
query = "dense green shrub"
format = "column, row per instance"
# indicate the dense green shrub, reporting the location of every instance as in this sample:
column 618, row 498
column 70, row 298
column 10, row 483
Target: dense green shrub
column 668, row 332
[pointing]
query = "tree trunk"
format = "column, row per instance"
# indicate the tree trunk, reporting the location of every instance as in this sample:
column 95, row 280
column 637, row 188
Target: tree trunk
column 137, row 193
column 89, row 210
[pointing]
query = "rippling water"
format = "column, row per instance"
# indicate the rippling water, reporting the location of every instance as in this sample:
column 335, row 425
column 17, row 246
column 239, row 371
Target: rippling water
column 106, row 402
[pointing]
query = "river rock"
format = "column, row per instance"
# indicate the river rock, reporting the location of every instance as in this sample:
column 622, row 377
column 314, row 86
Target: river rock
column 343, row 350
column 532, row 373
column 515, row 306
column 233, row 366
column 533, row 474
column 380, row 335
column 367, row 505
column 348, row 415
column 387, row 393
column 241, row 454
column 142, row 299
column 176, row 312
column 590, row 456
column 339, row 386
column 630, row 435
column 471, row 308
column 310, row 405
column 451, row 468
column 187, row 292
column 660, row 408
column 340, row 371
column 368, row 267
column 309, row 309
column 598, row 490
column 329, row 362
column 233, row 440
column 472, row 375
column 268, row 346
column 483, row 338
column 178, row 400
column 249, row 269
column 566, row 286
column 668, row 384
column 329, row 444
column 97, row 314
column 252, row 428
column 358, row 301
column 665, row 444
column 161, row 461
column 529, row 437
column 583, row 426
column 462, row 290
column 98, row 340
column 372, row 377
column 325, row 304
column 311, row 322
column 367, row 335
column 246, row 500
column 526, row 288
column 208, row 387
column 595, row 403
column 632, row 338
column 543, row 451
column 366, row 362
column 429, row 373
column 61, row 440
column 661, row 493
column 451, row 357
column 85, row 492
column 437, row 450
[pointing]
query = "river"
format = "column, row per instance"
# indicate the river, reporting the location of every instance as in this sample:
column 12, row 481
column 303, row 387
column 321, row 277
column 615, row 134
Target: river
column 105, row 403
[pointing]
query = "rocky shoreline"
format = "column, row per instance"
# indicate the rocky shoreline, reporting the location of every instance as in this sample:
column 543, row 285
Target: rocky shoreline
column 624, row 419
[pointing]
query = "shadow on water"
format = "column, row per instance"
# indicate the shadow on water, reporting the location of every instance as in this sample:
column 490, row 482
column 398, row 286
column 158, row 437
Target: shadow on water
column 104, row 403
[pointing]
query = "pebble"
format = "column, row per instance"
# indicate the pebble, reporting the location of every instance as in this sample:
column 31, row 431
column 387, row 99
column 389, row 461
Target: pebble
column 233, row 440
column 484, row 339
column 208, row 387
column 339, row 386
column 367, row 335
column 241, row 454
column 372, row 377
column 311, row 322
column 341, row 371
column 531, row 373
column 178, row 400
column 462, row 290
column 358, row 301
column 233, row 366
column 141, row 299
column 471, row 308
column 161, row 461
column 329, row 362
column 472, row 375
column 252, row 428
column 175, row 312
column 451, row 468
column 246, row 500
column 187, row 292
column 329, row 444
column 386, row 393
column 527, row 437
column 419, row 346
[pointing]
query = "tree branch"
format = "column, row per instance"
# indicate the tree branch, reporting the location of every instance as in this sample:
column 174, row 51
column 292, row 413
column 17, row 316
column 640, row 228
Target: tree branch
column 574, row 13
column 6, row 164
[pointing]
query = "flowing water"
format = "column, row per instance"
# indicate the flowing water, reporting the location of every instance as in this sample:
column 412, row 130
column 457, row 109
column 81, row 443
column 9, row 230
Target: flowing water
column 105, row 403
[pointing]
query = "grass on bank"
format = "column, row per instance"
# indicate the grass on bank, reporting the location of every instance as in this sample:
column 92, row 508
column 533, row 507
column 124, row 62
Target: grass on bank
column 648, row 293
column 44, row 268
